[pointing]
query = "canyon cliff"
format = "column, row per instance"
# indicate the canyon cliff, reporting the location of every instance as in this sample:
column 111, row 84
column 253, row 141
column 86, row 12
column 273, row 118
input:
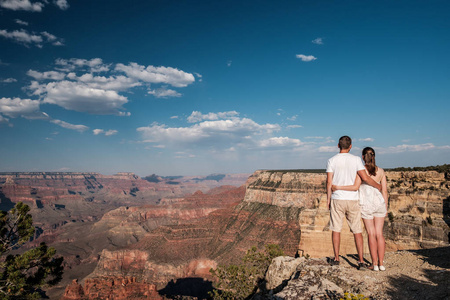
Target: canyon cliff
column 419, row 209
column 276, row 207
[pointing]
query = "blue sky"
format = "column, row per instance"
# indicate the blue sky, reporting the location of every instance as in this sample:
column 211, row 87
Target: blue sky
column 200, row 87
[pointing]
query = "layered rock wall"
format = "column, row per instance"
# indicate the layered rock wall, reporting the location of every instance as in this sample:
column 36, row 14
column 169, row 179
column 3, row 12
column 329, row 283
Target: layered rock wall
column 418, row 208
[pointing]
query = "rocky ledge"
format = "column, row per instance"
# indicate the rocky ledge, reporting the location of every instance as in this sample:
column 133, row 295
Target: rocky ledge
column 421, row 274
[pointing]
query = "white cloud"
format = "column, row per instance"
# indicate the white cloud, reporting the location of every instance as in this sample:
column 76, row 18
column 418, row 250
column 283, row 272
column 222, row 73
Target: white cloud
column 164, row 93
column 55, row 41
column 62, row 4
column 306, row 57
column 22, row 36
column 276, row 142
column 234, row 130
column 197, row 116
column 317, row 41
column 26, row 38
column 22, row 5
column 80, row 97
column 199, row 76
column 408, row 148
column 9, row 80
column 106, row 133
column 174, row 117
column 17, row 107
column 229, row 63
column 97, row 131
column 294, row 126
column 50, row 75
column 159, row 146
column 314, row 137
column 110, row 132
column 151, row 74
column 50, row 37
column 93, row 65
column 115, row 83
column 20, row 22
column 329, row 149
column 367, row 140
column 66, row 125
column 75, row 85
column 293, row 118
column 3, row 119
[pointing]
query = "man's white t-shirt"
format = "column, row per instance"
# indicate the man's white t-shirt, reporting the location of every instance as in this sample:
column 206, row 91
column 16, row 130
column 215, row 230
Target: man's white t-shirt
column 344, row 167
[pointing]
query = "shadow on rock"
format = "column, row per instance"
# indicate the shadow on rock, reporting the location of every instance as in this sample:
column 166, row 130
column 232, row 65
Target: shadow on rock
column 405, row 287
column 183, row 288
column 437, row 256
column 5, row 203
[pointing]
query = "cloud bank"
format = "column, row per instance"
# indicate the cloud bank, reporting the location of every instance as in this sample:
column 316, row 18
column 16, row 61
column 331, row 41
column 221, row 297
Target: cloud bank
column 94, row 87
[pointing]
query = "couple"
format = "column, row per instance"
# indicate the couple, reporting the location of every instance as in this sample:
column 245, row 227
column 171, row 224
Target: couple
column 345, row 175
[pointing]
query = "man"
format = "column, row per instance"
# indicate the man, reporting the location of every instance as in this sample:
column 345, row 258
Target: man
column 342, row 169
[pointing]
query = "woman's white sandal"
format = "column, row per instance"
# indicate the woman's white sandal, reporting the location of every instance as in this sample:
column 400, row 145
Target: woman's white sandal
column 375, row 268
column 382, row 268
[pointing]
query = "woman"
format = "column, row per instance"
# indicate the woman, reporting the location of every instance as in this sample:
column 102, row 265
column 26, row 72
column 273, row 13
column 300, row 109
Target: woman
column 373, row 207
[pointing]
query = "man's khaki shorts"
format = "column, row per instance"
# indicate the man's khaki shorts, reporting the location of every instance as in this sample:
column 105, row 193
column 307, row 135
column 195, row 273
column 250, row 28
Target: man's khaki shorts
column 350, row 210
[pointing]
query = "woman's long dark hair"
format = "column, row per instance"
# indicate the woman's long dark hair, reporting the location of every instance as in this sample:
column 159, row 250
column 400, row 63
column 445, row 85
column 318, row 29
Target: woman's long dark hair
column 369, row 158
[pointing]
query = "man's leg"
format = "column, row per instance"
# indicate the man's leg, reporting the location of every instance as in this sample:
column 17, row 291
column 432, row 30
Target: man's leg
column 359, row 246
column 354, row 222
column 336, row 219
column 336, row 239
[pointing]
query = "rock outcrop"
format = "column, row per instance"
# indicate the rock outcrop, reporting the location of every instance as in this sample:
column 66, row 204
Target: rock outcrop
column 422, row 274
column 419, row 209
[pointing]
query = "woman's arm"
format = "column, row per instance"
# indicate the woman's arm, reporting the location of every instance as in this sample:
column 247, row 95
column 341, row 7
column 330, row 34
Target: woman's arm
column 353, row 187
column 384, row 190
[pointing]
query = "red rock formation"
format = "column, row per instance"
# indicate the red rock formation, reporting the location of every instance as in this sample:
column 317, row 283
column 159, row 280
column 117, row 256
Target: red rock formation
column 111, row 288
column 191, row 249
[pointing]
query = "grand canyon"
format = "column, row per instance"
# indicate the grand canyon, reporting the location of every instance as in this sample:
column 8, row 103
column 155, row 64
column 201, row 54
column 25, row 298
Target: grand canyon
column 123, row 236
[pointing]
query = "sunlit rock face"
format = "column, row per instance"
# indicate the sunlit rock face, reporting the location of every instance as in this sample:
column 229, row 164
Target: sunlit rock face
column 418, row 206
column 111, row 288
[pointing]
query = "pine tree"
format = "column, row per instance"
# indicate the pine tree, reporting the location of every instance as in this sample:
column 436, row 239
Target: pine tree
column 22, row 276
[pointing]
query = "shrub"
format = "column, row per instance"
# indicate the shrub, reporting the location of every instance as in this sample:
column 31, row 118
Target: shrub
column 349, row 296
column 241, row 281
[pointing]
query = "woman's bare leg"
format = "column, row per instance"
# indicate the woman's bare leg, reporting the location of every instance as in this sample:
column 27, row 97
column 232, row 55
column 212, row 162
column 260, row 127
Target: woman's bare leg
column 381, row 246
column 370, row 227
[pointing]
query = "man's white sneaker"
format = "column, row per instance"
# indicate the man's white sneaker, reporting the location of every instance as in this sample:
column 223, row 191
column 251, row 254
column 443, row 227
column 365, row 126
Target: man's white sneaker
column 375, row 268
column 382, row 268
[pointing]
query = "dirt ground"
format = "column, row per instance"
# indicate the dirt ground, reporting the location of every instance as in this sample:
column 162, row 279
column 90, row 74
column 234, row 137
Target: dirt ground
column 420, row 274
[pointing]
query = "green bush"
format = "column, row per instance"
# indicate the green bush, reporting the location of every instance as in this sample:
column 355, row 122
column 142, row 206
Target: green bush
column 349, row 296
column 241, row 281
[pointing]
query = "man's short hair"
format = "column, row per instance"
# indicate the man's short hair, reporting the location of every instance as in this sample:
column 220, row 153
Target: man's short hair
column 345, row 142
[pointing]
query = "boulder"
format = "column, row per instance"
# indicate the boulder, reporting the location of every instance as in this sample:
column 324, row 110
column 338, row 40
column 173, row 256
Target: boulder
column 281, row 270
